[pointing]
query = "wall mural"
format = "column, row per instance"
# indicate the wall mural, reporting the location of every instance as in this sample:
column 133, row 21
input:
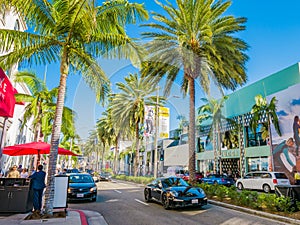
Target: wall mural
column 285, row 148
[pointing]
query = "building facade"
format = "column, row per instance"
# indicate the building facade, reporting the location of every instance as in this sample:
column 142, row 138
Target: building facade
column 250, row 151
column 10, row 128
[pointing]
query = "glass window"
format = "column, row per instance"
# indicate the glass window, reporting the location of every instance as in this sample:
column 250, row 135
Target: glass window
column 258, row 164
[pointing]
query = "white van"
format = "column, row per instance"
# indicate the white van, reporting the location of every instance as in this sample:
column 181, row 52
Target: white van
column 261, row 180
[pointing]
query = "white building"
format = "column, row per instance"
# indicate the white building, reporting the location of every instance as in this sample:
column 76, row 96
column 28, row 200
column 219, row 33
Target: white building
column 14, row 134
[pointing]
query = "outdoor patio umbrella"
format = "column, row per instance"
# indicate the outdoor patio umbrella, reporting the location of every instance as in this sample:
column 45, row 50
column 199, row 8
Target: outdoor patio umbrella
column 33, row 148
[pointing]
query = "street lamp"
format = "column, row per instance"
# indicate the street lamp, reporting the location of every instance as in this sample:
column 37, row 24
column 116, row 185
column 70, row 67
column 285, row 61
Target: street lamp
column 156, row 133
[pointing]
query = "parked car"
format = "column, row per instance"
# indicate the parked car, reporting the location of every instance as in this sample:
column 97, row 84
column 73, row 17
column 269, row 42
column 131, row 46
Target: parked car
column 174, row 192
column 72, row 171
column 82, row 187
column 105, row 176
column 261, row 180
column 198, row 176
column 218, row 179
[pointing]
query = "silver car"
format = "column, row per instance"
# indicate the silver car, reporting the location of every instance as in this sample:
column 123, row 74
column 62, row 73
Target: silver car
column 262, row 180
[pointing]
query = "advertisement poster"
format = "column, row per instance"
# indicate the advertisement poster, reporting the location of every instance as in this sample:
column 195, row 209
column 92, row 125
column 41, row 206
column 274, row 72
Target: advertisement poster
column 285, row 156
column 164, row 122
column 149, row 121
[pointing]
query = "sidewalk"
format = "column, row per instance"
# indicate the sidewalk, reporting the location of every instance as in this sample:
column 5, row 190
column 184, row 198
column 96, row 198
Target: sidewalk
column 74, row 217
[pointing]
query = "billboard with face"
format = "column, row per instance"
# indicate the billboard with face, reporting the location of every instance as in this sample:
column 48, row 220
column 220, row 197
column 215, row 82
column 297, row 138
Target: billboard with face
column 286, row 146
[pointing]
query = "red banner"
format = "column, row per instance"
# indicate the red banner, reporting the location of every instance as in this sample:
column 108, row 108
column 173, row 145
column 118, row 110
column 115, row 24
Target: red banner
column 7, row 98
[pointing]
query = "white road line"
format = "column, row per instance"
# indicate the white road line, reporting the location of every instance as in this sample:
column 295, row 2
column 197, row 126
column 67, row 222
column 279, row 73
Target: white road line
column 141, row 202
column 118, row 191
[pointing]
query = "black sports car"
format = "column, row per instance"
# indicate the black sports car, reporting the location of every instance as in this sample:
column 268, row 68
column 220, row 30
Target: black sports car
column 174, row 192
column 82, row 187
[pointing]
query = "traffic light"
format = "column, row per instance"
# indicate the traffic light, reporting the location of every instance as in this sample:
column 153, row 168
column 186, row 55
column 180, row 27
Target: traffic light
column 161, row 155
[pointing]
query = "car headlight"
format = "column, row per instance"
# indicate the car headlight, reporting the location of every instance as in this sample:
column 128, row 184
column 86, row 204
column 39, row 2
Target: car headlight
column 93, row 189
column 69, row 190
column 174, row 193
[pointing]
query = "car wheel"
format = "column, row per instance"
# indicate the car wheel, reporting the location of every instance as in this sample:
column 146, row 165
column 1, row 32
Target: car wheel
column 266, row 188
column 240, row 186
column 215, row 182
column 165, row 202
column 94, row 198
column 147, row 195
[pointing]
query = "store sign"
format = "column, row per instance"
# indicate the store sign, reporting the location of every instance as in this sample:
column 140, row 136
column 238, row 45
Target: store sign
column 230, row 153
column 7, row 98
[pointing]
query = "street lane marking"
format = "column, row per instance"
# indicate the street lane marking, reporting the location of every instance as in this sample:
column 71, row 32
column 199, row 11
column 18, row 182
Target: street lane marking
column 141, row 201
column 118, row 191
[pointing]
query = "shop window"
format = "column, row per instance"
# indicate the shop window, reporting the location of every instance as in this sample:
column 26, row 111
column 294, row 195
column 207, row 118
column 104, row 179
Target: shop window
column 257, row 164
column 254, row 139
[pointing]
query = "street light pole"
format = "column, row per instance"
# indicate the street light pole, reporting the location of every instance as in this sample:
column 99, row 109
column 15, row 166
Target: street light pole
column 156, row 133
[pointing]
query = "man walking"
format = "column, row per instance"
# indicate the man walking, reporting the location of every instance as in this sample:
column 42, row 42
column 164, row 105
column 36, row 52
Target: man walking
column 38, row 185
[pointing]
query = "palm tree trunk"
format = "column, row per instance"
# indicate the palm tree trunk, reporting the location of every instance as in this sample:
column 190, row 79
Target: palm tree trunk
column 137, row 156
column 214, row 140
column 102, row 159
column 49, row 193
column 192, row 131
column 271, row 144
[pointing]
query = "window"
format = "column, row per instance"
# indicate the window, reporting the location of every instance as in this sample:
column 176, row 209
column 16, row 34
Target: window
column 17, row 25
column 258, row 164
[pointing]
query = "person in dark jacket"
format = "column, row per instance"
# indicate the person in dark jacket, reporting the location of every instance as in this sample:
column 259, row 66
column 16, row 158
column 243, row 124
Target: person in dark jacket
column 38, row 185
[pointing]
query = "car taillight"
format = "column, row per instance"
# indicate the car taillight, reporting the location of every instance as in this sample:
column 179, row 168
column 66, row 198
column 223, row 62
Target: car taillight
column 275, row 181
column 223, row 179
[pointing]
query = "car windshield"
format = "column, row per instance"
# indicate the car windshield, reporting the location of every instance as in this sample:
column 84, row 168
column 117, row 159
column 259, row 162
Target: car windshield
column 173, row 181
column 81, row 179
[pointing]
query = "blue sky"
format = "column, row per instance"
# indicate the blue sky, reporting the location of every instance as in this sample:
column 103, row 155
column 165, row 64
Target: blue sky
column 272, row 32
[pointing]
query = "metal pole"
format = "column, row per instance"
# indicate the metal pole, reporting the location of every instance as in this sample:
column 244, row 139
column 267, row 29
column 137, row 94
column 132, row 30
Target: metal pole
column 3, row 136
column 156, row 133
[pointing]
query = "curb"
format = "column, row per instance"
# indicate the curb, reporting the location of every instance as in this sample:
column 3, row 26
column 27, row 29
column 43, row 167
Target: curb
column 83, row 218
column 255, row 212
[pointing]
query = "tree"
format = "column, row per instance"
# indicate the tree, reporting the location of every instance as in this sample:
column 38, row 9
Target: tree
column 260, row 109
column 128, row 107
column 40, row 106
column 104, row 128
column 212, row 111
column 38, row 102
column 73, row 33
column 199, row 38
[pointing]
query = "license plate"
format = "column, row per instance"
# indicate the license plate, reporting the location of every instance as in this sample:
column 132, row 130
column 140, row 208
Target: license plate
column 194, row 201
column 79, row 195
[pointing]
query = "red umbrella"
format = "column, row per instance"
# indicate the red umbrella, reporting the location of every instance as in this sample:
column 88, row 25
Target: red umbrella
column 33, row 148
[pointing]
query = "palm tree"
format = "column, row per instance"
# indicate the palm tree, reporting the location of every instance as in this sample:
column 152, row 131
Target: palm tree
column 71, row 32
column 39, row 103
column 212, row 110
column 104, row 128
column 128, row 107
column 199, row 38
column 260, row 109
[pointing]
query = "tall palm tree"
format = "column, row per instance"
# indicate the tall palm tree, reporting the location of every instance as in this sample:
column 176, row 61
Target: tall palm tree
column 199, row 38
column 71, row 32
column 260, row 109
column 212, row 110
column 128, row 107
column 104, row 128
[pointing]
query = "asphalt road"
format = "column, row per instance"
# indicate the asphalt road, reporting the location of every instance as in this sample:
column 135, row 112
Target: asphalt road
column 122, row 203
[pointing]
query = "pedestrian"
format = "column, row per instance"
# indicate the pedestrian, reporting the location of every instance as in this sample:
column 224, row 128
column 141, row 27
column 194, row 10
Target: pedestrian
column 38, row 185
column 64, row 172
column 24, row 173
column 297, row 177
column 13, row 172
